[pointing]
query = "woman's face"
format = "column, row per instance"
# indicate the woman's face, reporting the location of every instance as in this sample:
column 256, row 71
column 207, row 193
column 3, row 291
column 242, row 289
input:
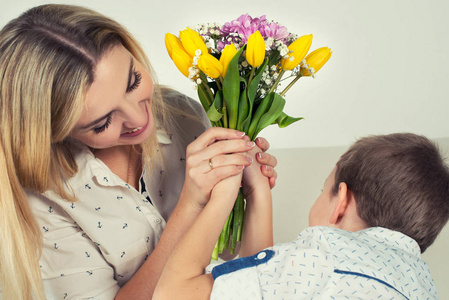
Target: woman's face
column 117, row 108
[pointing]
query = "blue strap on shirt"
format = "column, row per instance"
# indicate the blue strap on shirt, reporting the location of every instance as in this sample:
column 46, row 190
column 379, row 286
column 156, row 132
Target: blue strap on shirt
column 242, row 263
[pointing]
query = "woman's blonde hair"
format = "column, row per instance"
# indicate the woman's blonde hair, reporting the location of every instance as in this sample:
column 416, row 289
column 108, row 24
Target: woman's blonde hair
column 47, row 61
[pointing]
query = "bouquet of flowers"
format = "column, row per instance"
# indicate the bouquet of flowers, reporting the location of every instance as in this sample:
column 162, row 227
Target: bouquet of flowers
column 238, row 68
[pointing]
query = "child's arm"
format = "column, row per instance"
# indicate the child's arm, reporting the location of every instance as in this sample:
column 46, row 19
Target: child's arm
column 183, row 275
column 258, row 222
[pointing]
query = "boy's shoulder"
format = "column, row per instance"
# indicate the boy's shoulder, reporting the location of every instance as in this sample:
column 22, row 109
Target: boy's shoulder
column 371, row 263
column 386, row 256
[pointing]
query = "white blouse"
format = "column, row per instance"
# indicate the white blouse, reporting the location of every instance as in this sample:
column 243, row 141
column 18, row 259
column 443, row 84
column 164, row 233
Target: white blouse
column 93, row 246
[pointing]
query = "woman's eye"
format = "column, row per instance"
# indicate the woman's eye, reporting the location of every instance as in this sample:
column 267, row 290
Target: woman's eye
column 135, row 84
column 103, row 127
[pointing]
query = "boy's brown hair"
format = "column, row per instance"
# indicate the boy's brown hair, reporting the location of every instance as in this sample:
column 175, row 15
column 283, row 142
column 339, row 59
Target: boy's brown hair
column 400, row 181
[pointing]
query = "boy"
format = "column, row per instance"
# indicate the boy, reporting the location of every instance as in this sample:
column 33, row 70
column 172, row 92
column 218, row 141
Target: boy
column 381, row 207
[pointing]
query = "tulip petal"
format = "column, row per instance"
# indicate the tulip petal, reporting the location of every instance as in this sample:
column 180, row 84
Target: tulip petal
column 171, row 42
column 298, row 50
column 316, row 60
column 192, row 41
column 227, row 54
column 182, row 60
column 210, row 65
column 255, row 49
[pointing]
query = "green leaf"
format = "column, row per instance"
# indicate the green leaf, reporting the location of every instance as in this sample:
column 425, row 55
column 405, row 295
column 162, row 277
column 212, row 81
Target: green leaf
column 264, row 105
column 251, row 94
column 252, row 89
column 204, row 97
column 231, row 90
column 213, row 112
column 244, row 107
column 284, row 120
column 276, row 107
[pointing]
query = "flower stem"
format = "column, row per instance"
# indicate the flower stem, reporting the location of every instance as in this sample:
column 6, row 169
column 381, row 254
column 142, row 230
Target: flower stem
column 219, row 82
column 277, row 81
column 208, row 91
column 253, row 70
column 290, row 85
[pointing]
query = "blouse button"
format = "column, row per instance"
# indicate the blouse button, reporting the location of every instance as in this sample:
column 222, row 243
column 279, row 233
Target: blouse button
column 158, row 221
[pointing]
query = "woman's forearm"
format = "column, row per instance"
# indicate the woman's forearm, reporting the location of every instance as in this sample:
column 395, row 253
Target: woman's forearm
column 144, row 281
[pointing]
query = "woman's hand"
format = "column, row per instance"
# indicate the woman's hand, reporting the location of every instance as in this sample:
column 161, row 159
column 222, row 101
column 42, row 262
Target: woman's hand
column 267, row 161
column 216, row 154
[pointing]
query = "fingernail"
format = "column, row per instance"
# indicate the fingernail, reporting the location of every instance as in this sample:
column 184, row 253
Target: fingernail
column 249, row 159
column 240, row 133
column 257, row 140
column 240, row 167
column 260, row 155
column 267, row 168
column 251, row 144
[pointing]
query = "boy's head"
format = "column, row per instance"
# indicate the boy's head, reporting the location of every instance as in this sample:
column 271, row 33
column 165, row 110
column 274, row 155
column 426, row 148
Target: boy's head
column 399, row 181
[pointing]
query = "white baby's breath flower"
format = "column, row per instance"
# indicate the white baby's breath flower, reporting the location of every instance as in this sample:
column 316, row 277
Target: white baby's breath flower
column 268, row 43
column 193, row 72
column 210, row 44
column 198, row 52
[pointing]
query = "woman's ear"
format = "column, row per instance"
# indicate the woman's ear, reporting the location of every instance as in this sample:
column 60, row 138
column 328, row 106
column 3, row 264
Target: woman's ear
column 341, row 204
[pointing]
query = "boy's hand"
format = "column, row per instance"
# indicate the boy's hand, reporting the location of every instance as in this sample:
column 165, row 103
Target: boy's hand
column 254, row 175
column 267, row 161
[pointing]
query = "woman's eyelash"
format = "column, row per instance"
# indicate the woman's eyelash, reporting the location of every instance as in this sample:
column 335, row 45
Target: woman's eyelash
column 102, row 128
column 135, row 84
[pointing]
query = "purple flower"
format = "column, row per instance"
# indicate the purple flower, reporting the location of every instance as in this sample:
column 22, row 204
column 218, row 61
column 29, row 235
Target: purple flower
column 274, row 30
column 238, row 31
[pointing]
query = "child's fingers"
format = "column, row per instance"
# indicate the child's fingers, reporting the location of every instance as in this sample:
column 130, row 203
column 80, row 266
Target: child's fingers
column 266, row 159
column 262, row 144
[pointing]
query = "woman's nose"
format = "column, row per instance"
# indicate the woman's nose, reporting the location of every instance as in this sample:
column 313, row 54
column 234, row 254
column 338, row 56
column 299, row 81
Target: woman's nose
column 134, row 114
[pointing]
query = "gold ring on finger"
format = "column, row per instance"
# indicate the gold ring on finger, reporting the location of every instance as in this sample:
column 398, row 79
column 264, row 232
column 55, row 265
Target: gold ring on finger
column 211, row 164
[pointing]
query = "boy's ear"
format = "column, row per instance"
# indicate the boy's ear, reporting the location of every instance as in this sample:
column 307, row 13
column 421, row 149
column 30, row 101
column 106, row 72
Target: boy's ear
column 341, row 203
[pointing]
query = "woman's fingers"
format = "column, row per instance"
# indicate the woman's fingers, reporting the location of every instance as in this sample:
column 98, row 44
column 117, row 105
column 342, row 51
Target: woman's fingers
column 212, row 135
column 219, row 153
column 227, row 160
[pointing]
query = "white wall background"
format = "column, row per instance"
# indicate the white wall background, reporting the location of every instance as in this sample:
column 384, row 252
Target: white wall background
column 388, row 73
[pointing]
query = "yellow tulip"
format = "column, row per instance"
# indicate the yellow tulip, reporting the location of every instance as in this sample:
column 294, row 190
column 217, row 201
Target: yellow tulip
column 211, row 66
column 297, row 50
column 316, row 60
column 255, row 49
column 171, row 42
column 226, row 56
column 192, row 41
column 182, row 60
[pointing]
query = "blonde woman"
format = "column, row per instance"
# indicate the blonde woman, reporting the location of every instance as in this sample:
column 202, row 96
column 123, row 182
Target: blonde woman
column 97, row 184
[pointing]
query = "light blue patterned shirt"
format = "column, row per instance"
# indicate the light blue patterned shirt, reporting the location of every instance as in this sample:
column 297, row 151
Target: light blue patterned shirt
column 328, row 263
